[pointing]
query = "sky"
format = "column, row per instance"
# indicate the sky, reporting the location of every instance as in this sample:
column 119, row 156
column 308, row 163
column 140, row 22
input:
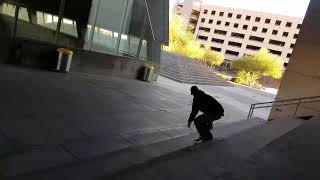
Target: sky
column 295, row 8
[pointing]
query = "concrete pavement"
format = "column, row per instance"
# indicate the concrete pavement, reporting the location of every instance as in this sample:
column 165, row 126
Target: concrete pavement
column 49, row 119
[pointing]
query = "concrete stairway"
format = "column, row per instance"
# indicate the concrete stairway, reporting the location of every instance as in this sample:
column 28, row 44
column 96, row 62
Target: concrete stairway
column 185, row 70
column 96, row 158
column 217, row 160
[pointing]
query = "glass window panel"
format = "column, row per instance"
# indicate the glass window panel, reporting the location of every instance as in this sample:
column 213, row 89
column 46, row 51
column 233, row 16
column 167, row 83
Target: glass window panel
column 23, row 14
column 138, row 27
column 47, row 20
column 147, row 43
column 109, row 23
column 7, row 13
column 104, row 40
column 129, row 45
column 133, row 28
column 68, row 27
column 143, row 51
column 36, row 25
column 91, row 24
column 121, row 27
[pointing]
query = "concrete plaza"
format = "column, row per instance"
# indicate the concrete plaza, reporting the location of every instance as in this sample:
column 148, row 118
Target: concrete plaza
column 51, row 118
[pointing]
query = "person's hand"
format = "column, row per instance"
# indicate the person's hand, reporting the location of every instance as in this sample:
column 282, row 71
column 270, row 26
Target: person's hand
column 189, row 124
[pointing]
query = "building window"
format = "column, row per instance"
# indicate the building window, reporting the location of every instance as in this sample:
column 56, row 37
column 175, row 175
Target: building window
column 221, row 32
column 275, row 52
column 295, row 36
column 256, row 38
column 278, row 23
column 203, row 20
column 255, row 48
column 218, row 22
column 299, row 26
column 245, row 27
column 230, row 43
column 291, row 46
column 278, row 43
column 229, row 15
column 288, row 55
column 203, row 38
column 236, row 25
column 205, row 11
column 285, row 34
column 216, row 49
column 238, row 16
column 264, row 30
column 254, row 28
column 204, row 29
column 248, row 18
column 221, row 13
column 227, row 23
column 237, row 35
column 267, row 21
column 210, row 21
column 220, row 41
column 274, row 32
column 289, row 24
column 232, row 53
column 258, row 19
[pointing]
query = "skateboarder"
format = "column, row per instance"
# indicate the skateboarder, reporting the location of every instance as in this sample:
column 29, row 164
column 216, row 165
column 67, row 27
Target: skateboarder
column 212, row 110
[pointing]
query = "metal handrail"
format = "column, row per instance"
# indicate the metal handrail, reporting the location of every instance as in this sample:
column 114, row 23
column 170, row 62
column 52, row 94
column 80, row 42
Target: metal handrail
column 283, row 103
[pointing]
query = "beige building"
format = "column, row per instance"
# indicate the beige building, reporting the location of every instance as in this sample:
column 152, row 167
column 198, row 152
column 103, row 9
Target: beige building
column 237, row 32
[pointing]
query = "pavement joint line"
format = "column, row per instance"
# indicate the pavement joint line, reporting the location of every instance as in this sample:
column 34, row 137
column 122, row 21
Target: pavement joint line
column 64, row 148
column 175, row 115
column 129, row 141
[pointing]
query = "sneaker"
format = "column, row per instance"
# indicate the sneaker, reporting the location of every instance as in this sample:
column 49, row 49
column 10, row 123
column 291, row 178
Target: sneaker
column 206, row 139
column 199, row 139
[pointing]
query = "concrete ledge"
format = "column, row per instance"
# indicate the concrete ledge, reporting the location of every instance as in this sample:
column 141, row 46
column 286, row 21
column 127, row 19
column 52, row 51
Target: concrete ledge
column 28, row 53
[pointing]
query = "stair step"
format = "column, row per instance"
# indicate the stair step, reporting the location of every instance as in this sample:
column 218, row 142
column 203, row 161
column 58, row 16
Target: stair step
column 189, row 71
column 111, row 163
column 219, row 160
column 74, row 152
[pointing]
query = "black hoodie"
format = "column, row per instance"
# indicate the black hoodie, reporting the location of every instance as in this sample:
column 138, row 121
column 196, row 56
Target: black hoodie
column 207, row 105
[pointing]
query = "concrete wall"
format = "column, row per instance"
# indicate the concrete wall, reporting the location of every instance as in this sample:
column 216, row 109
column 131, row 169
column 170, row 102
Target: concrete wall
column 44, row 56
column 99, row 63
column 302, row 77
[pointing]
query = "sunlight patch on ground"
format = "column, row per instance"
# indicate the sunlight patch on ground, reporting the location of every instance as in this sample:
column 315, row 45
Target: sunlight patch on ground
column 271, row 90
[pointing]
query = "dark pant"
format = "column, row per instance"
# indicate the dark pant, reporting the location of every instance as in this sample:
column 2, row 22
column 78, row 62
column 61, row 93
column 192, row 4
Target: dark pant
column 203, row 124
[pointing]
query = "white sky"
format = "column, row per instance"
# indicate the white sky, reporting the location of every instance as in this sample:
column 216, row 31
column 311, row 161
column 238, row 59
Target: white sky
column 296, row 8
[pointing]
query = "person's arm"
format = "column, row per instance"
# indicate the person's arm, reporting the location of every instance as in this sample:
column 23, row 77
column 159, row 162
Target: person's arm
column 194, row 112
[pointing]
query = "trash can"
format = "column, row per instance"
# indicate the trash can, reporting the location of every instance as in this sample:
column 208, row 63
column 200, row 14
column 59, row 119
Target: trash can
column 64, row 60
column 147, row 73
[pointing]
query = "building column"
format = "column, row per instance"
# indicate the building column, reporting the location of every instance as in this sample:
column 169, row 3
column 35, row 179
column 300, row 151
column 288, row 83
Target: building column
column 302, row 77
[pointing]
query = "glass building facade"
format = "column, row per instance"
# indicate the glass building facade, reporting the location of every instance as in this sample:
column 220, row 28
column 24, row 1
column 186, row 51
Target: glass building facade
column 117, row 27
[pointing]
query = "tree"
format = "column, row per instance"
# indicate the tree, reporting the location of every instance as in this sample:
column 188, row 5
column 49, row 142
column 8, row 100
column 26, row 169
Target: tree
column 252, row 68
column 212, row 58
column 182, row 42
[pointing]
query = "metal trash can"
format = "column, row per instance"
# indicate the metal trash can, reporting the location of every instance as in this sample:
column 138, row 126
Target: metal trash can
column 64, row 60
column 147, row 73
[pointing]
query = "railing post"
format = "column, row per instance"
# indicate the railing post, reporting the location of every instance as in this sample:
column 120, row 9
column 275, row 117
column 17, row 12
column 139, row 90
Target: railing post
column 295, row 112
column 249, row 112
